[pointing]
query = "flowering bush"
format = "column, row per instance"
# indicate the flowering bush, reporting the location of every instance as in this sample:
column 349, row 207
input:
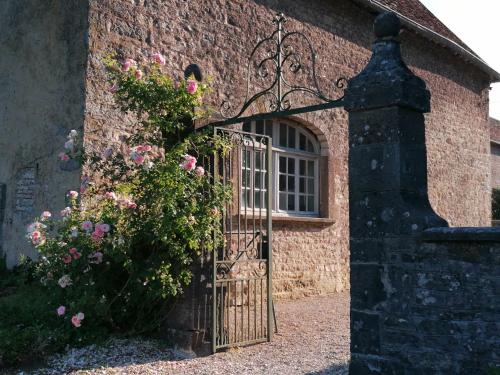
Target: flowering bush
column 123, row 246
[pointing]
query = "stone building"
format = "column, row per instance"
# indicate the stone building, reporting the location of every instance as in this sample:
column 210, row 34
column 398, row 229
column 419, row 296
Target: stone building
column 495, row 153
column 56, row 82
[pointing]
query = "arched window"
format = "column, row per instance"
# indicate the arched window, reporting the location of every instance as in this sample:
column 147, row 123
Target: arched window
column 296, row 154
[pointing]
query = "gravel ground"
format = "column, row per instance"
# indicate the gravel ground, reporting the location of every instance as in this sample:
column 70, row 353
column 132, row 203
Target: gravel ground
column 313, row 339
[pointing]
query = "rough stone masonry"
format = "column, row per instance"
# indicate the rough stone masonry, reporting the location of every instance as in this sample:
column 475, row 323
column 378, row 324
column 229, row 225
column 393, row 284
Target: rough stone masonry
column 425, row 298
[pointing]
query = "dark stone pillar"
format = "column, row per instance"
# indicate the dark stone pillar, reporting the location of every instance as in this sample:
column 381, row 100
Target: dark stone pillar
column 388, row 200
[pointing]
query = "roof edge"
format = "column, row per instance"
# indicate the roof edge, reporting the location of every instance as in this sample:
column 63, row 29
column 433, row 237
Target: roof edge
column 437, row 38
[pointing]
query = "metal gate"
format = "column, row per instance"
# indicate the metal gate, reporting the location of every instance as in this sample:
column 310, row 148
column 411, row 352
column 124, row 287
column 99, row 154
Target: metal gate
column 242, row 266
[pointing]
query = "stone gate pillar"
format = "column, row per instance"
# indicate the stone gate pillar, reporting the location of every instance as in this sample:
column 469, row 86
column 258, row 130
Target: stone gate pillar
column 388, row 200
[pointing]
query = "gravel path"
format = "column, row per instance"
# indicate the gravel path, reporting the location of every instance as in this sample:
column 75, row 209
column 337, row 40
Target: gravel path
column 313, row 339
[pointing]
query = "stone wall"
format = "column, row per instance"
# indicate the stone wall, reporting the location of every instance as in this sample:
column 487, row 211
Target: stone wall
column 42, row 76
column 424, row 297
column 310, row 256
column 495, row 153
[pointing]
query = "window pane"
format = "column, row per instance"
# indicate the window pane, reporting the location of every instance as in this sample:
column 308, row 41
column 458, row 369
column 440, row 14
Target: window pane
column 282, row 185
column 310, row 168
column 282, row 201
column 259, row 127
column 310, row 203
column 310, row 185
column 256, row 199
column 302, row 203
column 245, row 177
column 302, row 185
column 246, row 158
column 282, row 130
column 291, row 183
column 291, row 137
column 302, row 169
column 258, row 180
column 302, row 142
column 247, row 127
column 245, row 197
column 258, row 160
column 310, row 146
column 291, row 166
column 291, row 202
column 282, row 164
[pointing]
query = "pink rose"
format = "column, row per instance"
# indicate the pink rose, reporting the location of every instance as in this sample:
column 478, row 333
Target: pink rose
column 189, row 163
column 131, row 204
column 200, row 171
column 61, row 310
column 128, row 63
column 105, row 228
column 67, row 259
column 96, row 237
column 46, row 215
column 137, row 158
column 159, row 58
column 66, row 212
column 191, row 86
column 63, row 156
column 87, row 225
column 76, row 322
column 73, row 194
column 138, row 74
column 76, row 255
column 110, row 195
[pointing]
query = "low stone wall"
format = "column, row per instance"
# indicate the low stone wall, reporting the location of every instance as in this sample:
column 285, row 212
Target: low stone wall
column 435, row 305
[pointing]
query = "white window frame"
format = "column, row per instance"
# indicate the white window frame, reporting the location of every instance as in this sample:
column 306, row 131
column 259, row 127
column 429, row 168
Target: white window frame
column 297, row 155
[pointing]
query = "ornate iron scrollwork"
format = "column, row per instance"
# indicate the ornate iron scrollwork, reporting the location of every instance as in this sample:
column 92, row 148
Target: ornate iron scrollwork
column 283, row 57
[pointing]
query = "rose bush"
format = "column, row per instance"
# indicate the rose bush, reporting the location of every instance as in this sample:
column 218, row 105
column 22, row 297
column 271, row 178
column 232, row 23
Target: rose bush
column 122, row 248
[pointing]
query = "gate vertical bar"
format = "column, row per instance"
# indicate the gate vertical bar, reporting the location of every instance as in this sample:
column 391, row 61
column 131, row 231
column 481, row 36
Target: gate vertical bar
column 214, row 259
column 269, row 239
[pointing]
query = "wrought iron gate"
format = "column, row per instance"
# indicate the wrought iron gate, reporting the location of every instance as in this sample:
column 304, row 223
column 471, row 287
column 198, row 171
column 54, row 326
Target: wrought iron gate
column 242, row 266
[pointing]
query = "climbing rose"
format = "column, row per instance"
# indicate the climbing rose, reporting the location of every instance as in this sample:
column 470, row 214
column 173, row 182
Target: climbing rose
column 138, row 74
column 110, row 195
column 128, row 64
column 76, row 255
column 73, row 194
column 61, row 310
column 159, row 58
column 200, row 171
column 192, row 86
column 87, row 225
column 189, row 163
column 137, row 157
column 74, row 232
column 76, row 320
column 63, row 156
column 67, row 259
column 64, row 281
column 103, row 227
column 65, row 212
column 46, row 215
